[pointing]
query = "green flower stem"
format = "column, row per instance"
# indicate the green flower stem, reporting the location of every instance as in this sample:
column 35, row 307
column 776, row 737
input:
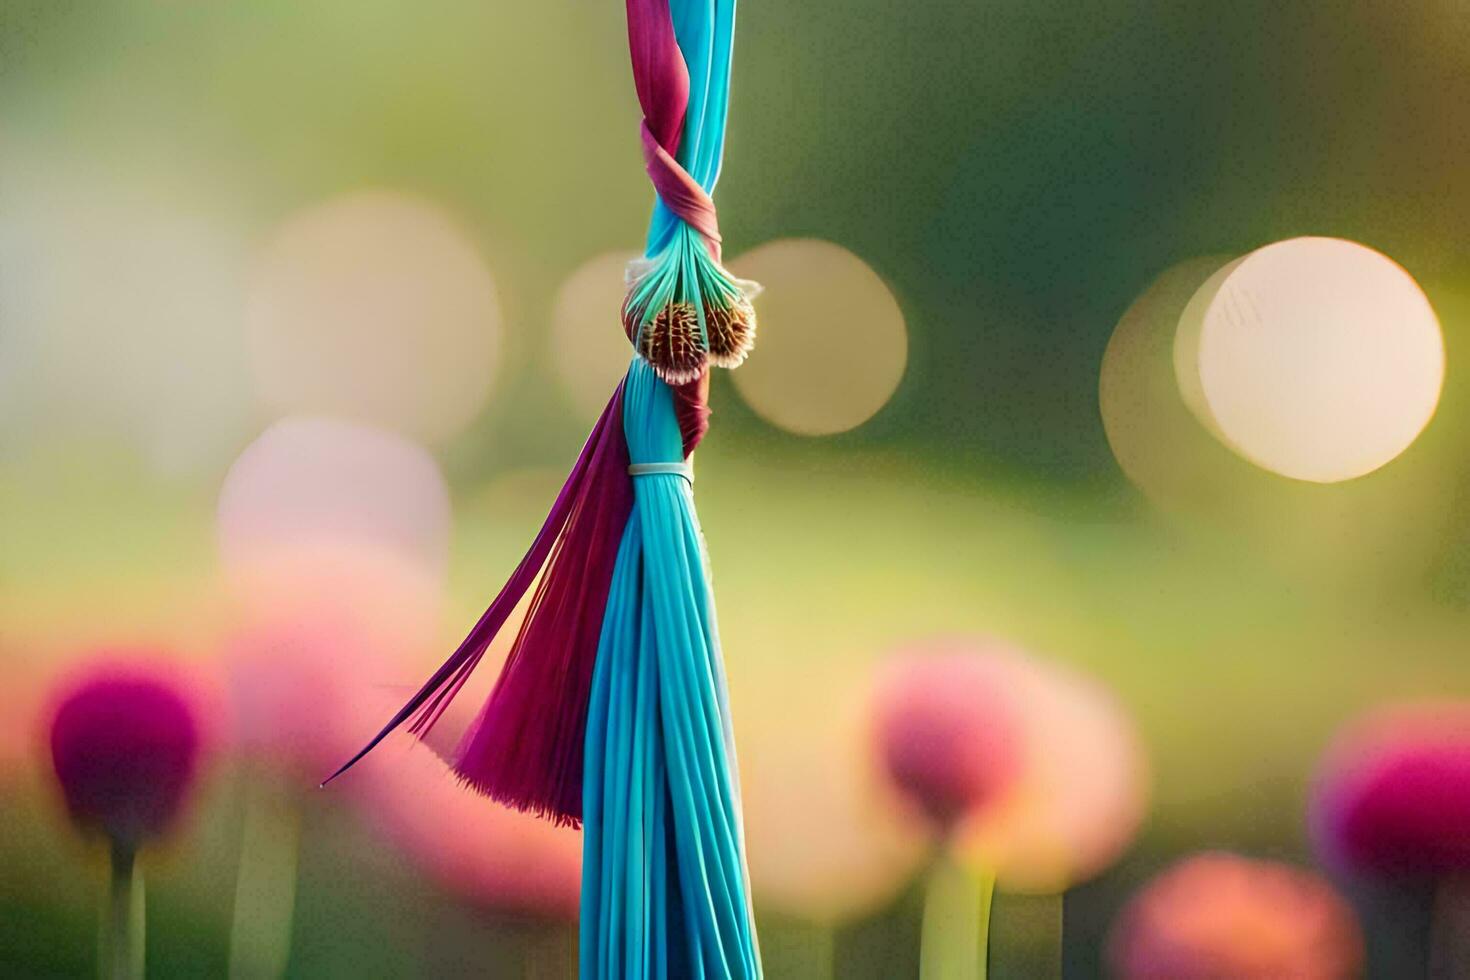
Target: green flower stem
column 122, row 927
column 1449, row 928
column 265, row 885
column 956, row 932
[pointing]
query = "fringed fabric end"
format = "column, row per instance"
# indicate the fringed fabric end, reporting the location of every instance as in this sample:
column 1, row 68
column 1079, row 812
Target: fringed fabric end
column 525, row 748
column 491, row 788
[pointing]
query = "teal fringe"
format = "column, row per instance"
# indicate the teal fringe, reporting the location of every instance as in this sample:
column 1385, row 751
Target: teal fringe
column 665, row 890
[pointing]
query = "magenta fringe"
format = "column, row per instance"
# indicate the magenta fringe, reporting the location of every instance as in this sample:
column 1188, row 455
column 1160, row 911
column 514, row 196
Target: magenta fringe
column 525, row 748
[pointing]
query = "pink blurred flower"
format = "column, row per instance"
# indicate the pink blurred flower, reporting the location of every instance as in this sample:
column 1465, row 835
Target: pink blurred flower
column 487, row 855
column 1034, row 768
column 1393, row 793
column 945, row 732
column 22, row 699
column 1082, row 787
column 125, row 738
column 325, row 643
column 1216, row 916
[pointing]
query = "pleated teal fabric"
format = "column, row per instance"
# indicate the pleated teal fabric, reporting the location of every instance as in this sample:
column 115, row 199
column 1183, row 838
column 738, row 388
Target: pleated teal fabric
column 665, row 892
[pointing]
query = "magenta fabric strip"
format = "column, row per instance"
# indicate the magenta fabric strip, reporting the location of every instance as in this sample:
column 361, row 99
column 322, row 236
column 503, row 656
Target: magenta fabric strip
column 539, row 704
column 691, row 408
column 680, row 192
column 662, row 79
column 659, row 72
column 526, row 747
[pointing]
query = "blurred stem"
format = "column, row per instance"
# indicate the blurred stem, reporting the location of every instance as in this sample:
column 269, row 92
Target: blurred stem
column 824, row 952
column 1449, row 930
column 956, row 931
column 265, row 886
column 551, row 953
column 124, row 923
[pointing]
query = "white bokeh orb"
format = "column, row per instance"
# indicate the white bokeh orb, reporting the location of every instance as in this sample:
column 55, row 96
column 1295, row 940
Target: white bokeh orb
column 120, row 316
column 375, row 306
column 310, row 482
column 589, row 348
column 1315, row 358
column 831, row 343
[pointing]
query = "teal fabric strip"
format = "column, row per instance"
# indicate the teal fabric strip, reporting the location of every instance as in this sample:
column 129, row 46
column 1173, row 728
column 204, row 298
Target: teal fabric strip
column 665, row 890
column 705, row 30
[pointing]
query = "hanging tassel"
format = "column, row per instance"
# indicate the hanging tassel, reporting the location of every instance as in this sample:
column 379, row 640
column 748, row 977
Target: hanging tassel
column 612, row 708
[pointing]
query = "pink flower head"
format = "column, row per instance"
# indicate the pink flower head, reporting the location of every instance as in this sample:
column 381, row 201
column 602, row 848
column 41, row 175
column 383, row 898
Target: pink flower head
column 1217, row 915
column 945, row 732
column 125, row 742
column 323, row 643
column 487, row 855
column 1082, row 788
column 1393, row 794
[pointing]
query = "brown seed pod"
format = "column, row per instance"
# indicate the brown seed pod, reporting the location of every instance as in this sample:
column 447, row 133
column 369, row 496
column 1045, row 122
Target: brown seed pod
column 670, row 342
column 731, row 331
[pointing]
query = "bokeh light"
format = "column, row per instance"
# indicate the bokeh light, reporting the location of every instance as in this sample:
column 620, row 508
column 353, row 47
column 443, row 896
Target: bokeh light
column 827, row 838
column 1374, row 532
column 1153, row 436
column 831, row 345
column 1081, row 790
column 315, row 480
column 588, row 346
column 375, row 306
column 122, row 316
column 1315, row 358
column 1217, row 915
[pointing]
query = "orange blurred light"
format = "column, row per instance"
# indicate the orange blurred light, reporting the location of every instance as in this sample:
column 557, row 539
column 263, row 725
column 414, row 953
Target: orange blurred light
column 375, row 306
column 831, row 345
column 589, row 348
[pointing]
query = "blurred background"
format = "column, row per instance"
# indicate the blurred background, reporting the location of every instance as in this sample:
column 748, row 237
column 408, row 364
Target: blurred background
column 305, row 309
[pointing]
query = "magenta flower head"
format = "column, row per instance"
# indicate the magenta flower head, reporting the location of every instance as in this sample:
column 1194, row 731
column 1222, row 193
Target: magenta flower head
column 125, row 742
column 1393, row 794
column 945, row 731
column 1217, row 915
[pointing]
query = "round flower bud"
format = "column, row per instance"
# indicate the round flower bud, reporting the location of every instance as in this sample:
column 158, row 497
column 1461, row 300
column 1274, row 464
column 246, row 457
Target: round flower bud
column 125, row 743
column 1393, row 795
column 945, row 733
